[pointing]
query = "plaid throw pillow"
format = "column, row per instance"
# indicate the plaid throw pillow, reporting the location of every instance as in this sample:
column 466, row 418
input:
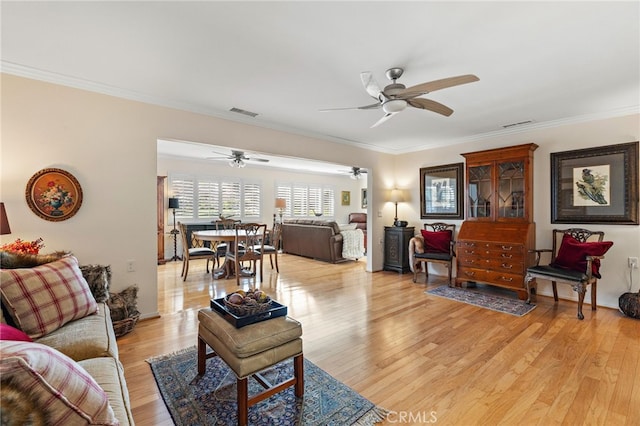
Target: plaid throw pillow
column 63, row 392
column 46, row 297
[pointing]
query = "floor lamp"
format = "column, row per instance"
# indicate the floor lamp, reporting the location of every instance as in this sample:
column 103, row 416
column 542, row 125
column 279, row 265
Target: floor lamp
column 281, row 204
column 174, row 203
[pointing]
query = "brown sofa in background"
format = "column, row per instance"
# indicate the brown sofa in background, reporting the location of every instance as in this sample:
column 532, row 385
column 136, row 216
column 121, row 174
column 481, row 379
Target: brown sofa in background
column 360, row 219
column 317, row 239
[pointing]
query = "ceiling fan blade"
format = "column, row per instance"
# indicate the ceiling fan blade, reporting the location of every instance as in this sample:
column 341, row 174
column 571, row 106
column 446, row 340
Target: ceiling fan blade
column 430, row 105
column 370, row 84
column 372, row 106
column 383, row 119
column 262, row 160
column 421, row 89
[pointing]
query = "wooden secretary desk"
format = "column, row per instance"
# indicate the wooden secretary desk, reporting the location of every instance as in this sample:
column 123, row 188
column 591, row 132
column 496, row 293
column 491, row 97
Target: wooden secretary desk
column 495, row 239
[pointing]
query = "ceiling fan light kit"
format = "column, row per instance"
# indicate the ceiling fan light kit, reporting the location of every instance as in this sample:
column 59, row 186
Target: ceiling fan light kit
column 395, row 97
column 237, row 163
column 237, row 159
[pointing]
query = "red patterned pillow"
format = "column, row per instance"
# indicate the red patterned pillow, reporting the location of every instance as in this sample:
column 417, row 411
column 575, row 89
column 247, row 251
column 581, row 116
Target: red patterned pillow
column 436, row 242
column 60, row 388
column 46, row 297
column 11, row 333
column 572, row 254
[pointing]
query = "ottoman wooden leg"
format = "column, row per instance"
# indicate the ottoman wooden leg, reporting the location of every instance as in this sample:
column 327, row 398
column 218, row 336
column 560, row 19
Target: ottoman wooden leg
column 243, row 402
column 202, row 356
column 298, row 372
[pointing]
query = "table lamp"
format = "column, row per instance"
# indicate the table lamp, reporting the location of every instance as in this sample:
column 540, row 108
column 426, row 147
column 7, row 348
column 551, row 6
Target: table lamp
column 4, row 222
column 396, row 197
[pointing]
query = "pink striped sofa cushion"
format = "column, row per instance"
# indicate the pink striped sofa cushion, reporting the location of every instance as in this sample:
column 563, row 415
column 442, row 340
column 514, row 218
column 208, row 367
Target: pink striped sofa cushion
column 50, row 387
column 46, row 297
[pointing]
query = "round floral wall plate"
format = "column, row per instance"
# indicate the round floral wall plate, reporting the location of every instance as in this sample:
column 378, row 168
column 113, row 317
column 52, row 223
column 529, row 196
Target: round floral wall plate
column 54, row 194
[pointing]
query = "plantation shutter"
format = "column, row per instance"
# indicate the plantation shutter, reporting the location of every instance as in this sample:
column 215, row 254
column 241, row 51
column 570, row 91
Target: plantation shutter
column 230, row 206
column 183, row 188
column 251, row 200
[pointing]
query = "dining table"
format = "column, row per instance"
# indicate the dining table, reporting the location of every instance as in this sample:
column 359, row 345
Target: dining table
column 216, row 236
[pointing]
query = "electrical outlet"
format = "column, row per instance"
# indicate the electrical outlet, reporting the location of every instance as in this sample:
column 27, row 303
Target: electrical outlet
column 131, row 265
column 633, row 262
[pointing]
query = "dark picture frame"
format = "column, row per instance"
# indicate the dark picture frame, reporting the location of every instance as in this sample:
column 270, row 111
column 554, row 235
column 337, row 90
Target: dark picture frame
column 595, row 185
column 441, row 191
column 363, row 198
column 54, row 194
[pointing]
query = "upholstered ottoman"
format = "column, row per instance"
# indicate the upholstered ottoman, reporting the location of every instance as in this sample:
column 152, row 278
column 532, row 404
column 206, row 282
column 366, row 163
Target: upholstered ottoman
column 251, row 349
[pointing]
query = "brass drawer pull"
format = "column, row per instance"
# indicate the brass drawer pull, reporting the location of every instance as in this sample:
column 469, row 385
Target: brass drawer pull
column 507, row 256
column 506, row 279
column 507, row 266
column 469, row 273
column 507, row 247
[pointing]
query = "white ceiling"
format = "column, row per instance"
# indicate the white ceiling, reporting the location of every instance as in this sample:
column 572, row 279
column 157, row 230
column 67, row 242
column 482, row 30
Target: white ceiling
column 548, row 62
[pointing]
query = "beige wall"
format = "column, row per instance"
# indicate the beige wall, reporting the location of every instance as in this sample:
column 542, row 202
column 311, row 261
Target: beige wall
column 626, row 238
column 109, row 144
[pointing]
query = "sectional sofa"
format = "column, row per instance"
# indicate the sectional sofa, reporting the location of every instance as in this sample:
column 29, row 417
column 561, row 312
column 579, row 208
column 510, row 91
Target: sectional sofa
column 58, row 353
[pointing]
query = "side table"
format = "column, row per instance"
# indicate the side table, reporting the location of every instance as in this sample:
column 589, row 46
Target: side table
column 396, row 248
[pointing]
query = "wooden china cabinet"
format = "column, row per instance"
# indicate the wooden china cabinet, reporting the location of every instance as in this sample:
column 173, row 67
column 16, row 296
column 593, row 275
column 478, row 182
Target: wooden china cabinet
column 494, row 240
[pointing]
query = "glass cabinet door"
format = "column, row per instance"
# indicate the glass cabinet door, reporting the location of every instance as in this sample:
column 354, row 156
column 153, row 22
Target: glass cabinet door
column 479, row 191
column 511, row 194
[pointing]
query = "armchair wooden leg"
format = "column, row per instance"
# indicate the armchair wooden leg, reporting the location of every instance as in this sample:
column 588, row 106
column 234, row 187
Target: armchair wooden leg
column 277, row 268
column 555, row 290
column 594, row 292
column 581, row 295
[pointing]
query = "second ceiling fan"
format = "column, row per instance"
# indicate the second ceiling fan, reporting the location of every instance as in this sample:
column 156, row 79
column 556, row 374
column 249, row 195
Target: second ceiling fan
column 395, row 97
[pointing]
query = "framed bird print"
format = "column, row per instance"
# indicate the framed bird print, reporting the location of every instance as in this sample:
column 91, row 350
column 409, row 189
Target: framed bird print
column 595, row 185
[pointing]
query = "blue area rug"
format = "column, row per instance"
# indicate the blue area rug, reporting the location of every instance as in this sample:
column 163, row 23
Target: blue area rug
column 211, row 399
column 488, row 301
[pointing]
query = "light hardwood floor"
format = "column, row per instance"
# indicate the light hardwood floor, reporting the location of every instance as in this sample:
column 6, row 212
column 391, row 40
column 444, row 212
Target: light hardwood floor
column 423, row 357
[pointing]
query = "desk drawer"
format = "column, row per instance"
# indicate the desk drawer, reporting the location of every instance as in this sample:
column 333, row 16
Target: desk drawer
column 471, row 274
column 505, row 279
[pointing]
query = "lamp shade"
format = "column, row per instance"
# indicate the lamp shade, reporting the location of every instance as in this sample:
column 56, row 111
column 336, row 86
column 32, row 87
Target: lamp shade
column 4, row 222
column 396, row 196
column 281, row 203
column 174, row 203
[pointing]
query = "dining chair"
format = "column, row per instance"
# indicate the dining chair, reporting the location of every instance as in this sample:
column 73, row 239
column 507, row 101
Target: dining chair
column 190, row 253
column 274, row 242
column 221, row 247
column 247, row 247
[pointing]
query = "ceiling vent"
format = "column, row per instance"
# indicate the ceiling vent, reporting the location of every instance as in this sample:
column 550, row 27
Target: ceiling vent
column 244, row 112
column 520, row 123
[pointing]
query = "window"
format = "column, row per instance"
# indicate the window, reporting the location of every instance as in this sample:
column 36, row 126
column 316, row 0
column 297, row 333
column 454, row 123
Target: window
column 304, row 200
column 207, row 197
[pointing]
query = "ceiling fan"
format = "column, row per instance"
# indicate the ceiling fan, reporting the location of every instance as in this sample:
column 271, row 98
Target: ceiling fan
column 356, row 172
column 395, row 97
column 237, row 158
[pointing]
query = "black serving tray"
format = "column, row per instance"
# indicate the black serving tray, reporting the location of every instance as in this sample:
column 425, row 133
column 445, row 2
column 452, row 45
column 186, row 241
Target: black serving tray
column 277, row 310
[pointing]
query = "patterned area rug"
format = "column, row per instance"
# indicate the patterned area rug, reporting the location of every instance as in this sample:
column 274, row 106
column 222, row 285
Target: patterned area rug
column 489, row 301
column 211, row 399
